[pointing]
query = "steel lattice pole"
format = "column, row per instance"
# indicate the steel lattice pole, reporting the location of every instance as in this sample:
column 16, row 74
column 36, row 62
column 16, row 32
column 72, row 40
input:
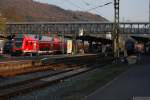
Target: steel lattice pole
column 149, row 18
column 116, row 30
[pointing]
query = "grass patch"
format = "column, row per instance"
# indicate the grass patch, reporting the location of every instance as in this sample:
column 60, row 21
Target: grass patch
column 92, row 81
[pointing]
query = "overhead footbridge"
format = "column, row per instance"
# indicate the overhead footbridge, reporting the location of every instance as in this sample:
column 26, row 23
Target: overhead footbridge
column 93, row 27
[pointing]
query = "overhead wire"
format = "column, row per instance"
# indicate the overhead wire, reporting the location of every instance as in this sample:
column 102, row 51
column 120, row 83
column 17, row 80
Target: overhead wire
column 101, row 6
column 62, row 1
column 88, row 4
column 74, row 5
column 80, row 7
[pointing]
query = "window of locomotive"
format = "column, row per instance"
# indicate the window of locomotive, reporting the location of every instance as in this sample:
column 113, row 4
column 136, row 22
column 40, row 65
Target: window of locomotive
column 26, row 43
column 31, row 43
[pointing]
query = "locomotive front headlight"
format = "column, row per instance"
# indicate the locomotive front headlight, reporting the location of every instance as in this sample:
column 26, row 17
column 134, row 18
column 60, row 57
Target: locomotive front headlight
column 34, row 44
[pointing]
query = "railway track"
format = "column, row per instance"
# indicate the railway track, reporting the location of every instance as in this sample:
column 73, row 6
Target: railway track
column 26, row 86
column 19, row 67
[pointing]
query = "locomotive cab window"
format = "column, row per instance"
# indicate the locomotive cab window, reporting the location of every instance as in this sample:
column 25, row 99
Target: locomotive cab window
column 30, row 43
column 26, row 43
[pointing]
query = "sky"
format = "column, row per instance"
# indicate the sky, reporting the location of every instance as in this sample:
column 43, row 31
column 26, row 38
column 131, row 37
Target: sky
column 130, row 10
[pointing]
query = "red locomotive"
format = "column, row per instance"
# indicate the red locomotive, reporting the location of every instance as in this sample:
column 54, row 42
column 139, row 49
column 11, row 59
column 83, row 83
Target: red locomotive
column 35, row 44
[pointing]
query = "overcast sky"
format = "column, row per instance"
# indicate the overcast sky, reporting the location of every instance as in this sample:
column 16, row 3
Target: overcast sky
column 130, row 10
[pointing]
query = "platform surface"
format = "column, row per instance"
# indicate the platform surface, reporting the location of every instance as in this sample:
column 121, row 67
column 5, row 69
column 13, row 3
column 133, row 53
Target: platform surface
column 131, row 85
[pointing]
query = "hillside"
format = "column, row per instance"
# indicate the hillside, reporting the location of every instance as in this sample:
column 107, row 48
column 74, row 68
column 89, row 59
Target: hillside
column 29, row 10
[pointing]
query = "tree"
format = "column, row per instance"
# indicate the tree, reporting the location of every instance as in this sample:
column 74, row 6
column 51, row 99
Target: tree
column 2, row 24
column 3, row 34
